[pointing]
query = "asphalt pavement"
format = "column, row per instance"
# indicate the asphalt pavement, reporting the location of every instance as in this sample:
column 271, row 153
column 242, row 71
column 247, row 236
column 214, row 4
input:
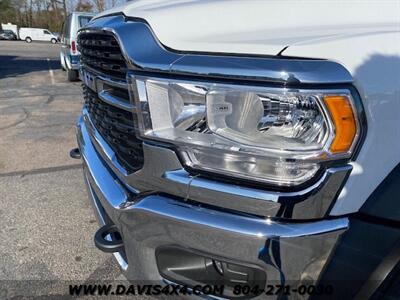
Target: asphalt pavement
column 46, row 222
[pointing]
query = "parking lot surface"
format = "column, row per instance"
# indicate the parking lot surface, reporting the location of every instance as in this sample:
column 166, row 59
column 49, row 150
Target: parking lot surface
column 46, row 221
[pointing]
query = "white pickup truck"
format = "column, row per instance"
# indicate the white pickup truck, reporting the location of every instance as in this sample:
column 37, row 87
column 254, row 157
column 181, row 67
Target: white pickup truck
column 248, row 145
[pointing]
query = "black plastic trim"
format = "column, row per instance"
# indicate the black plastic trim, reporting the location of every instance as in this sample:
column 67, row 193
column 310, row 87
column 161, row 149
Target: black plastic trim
column 358, row 254
column 110, row 246
column 192, row 264
column 75, row 153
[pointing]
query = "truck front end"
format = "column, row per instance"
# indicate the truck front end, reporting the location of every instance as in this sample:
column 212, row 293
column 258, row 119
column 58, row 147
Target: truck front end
column 215, row 168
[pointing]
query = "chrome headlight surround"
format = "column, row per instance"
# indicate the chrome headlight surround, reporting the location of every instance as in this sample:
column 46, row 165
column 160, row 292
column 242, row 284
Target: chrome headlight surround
column 231, row 152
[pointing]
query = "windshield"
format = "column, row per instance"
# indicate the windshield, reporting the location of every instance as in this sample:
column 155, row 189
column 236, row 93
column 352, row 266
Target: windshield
column 83, row 20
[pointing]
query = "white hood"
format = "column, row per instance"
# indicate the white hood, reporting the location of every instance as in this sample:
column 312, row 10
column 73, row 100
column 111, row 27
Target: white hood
column 259, row 27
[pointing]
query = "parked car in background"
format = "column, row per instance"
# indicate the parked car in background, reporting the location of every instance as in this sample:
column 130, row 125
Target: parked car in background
column 58, row 36
column 7, row 35
column 10, row 26
column 69, row 54
column 36, row 34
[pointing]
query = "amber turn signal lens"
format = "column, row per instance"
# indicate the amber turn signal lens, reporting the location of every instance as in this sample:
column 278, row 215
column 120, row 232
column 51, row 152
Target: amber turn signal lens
column 344, row 120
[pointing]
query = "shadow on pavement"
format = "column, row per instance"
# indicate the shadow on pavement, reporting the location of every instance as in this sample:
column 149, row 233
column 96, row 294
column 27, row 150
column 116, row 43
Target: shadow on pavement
column 11, row 66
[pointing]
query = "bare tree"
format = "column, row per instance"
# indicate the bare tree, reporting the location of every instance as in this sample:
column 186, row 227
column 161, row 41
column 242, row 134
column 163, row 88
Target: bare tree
column 47, row 13
column 84, row 5
column 100, row 5
column 30, row 13
column 64, row 7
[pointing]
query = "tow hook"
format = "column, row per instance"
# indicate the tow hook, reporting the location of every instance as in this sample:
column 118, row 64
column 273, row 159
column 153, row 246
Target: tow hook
column 108, row 239
column 75, row 153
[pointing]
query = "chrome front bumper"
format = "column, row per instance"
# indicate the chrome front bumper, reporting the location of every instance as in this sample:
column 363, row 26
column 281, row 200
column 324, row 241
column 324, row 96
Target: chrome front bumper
column 149, row 221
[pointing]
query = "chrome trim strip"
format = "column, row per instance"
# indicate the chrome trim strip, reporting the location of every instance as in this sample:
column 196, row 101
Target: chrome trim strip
column 100, row 217
column 108, row 186
column 273, row 70
column 183, row 177
column 105, row 96
column 113, row 82
column 312, row 202
column 154, row 57
column 191, row 215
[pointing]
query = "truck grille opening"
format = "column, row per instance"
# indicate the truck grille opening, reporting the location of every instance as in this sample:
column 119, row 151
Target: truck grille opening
column 101, row 52
column 117, row 127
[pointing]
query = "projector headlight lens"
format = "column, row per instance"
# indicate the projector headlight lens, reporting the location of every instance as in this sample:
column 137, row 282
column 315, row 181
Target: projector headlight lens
column 274, row 135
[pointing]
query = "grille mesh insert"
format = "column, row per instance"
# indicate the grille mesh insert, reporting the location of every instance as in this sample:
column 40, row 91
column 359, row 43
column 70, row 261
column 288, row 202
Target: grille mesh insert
column 117, row 127
column 102, row 53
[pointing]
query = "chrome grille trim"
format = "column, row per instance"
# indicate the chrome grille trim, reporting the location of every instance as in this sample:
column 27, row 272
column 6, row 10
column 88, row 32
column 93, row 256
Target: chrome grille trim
column 100, row 86
column 108, row 103
column 116, row 101
column 112, row 82
column 117, row 127
column 114, row 93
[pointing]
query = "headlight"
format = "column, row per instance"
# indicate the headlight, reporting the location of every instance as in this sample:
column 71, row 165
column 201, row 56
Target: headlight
column 274, row 135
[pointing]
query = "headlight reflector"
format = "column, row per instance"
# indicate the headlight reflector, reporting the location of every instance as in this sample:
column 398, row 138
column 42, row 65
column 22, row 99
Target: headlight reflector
column 288, row 121
column 274, row 135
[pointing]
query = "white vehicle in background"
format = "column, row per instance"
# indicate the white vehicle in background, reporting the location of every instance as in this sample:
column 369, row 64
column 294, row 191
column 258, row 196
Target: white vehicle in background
column 69, row 54
column 12, row 27
column 36, row 34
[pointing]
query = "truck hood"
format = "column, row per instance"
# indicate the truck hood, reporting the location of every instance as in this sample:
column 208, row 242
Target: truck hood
column 259, row 27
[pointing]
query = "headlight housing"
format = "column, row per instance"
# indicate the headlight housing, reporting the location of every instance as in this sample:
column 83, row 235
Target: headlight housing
column 278, row 136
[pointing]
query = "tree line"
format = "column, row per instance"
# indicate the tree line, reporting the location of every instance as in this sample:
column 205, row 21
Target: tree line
column 48, row 14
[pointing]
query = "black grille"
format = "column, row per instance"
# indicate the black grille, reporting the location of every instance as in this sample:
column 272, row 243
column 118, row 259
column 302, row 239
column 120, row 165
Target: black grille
column 117, row 127
column 102, row 53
